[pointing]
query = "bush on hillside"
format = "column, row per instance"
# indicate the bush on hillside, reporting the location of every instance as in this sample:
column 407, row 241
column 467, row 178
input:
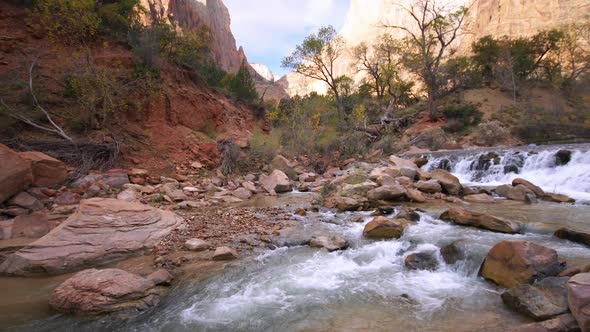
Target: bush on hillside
column 490, row 133
column 461, row 117
column 241, row 85
column 70, row 22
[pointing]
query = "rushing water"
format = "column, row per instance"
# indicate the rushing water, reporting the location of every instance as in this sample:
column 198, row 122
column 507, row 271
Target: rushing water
column 366, row 287
column 534, row 163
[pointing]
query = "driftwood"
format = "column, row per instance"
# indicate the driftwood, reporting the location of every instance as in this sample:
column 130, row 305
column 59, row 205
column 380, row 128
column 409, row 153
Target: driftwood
column 85, row 156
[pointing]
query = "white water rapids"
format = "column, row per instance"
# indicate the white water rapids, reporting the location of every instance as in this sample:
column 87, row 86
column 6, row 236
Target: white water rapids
column 535, row 164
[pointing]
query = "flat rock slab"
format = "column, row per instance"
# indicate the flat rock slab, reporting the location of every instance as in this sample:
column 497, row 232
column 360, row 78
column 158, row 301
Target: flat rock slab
column 469, row 218
column 101, row 230
column 541, row 301
column 94, row 292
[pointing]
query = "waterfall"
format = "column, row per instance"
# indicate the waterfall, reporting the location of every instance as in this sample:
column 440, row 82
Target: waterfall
column 540, row 165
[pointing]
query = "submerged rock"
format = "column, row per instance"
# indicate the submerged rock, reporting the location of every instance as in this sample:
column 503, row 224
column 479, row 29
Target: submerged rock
column 572, row 235
column 513, row 263
column 540, row 301
column 421, row 261
column 454, row 252
column 479, row 198
column 468, row 218
column 330, row 243
column 102, row 230
column 563, row 157
column 94, row 292
column 385, row 228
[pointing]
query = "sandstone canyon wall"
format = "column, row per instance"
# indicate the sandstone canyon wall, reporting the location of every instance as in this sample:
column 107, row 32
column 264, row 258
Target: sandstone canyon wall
column 511, row 18
column 197, row 13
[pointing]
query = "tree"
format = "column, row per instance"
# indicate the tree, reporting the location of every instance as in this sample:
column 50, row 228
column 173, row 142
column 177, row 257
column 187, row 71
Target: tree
column 241, row 85
column 486, row 53
column 436, row 28
column 315, row 58
column 575, row 51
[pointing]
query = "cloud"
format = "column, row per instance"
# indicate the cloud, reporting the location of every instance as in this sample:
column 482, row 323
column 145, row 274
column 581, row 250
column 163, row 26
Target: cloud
column 270, row 29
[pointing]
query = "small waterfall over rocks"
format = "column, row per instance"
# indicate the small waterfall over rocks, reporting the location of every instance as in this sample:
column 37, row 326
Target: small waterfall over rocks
column 562, row 169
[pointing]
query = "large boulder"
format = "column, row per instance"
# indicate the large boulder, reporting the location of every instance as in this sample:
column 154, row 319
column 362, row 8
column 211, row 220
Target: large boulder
column 572, row 235
column 387, row 193
column 15, row 173
column 468, row 218
column 454, row 252
column 518, row 193
column 347, row 203
column 385, row 228
column 449, row 182
column 513, row 263
column 276, row 182
column 540, row 301
column 415, row 195
column 47, row 171
column 101, row 230
column 536, row 189
column 93, row 292
column 562, row 323
column 405, row 167
column 430, row 186
column 578, row 290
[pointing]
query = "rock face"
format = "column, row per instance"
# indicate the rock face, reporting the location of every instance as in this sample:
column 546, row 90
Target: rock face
column 101, row 230
column 94, row 292
column 276, row 182
column 578, row 288
column 543, row 300
column 486, row 17
column 47, row 171
column 15, row 173
column 385, row 228
column 513, row 263
column 480, row 220
column 196, row 14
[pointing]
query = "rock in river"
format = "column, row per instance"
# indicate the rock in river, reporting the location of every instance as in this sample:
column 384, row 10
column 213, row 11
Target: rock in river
column 94, row 292
column 562, row 323
column 330, row 243
column 572, row 235
column 480, row 220
column 448, row 181
column 543, row 300
column 513, row 263
column 578, row 288
column 102, row 230
column 385, row 228
column 421, row 261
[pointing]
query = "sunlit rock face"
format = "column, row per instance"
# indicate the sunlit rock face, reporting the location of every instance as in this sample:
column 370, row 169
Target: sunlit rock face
column 367, row 19
column 265, row 72
column 195, row 14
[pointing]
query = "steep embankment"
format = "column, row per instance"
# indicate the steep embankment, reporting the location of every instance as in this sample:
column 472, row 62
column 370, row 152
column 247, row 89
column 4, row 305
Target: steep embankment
column 174, row 125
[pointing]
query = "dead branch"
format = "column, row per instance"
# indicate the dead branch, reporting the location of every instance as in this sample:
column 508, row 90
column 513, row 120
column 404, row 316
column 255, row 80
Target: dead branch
column 54, row 128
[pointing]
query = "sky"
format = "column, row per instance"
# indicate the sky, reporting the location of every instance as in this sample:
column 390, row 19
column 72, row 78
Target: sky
column 270, row 29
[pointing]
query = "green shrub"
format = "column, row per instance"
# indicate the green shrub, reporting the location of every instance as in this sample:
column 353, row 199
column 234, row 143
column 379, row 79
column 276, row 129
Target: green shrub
column 121, row 16
column 241, row 85
column 461, row 117
column 70, row 22
column 263, row 148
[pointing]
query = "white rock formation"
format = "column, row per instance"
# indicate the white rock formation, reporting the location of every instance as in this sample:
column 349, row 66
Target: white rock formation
column 366, row 19
column 265, row 72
